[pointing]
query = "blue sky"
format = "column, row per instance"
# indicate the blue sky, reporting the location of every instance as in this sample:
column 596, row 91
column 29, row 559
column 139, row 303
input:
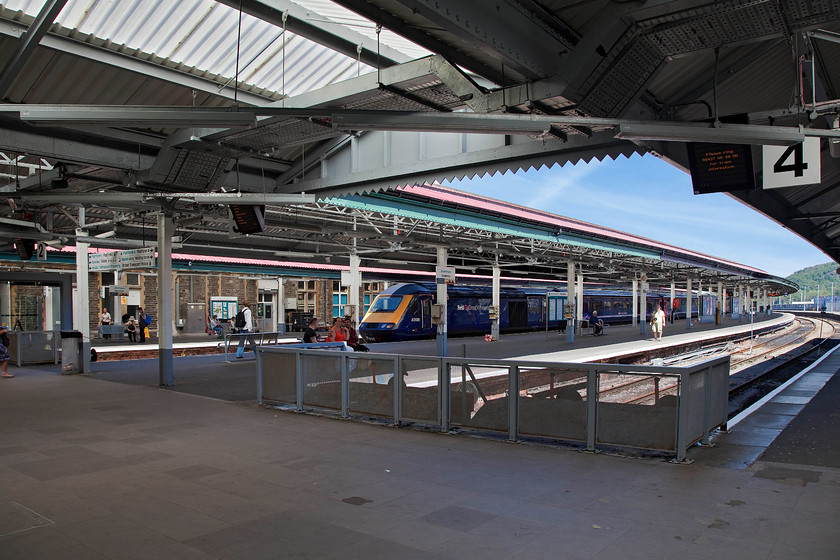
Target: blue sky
column 648, row 197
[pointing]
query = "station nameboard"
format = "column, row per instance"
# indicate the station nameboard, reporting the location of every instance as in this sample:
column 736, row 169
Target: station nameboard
column 118, row 260
column 720, row 167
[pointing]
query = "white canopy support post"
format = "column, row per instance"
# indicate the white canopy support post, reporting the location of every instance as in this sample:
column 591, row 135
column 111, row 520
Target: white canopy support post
column 354, row 288
column 81, row 318
column 579, row 298
column 570, row 301
column 442, row 256
column 673, row 298
column 635, row 299
column 496, row 301
column 281, row 305
column 165, row 231
column 688, row 303
column 643, row 305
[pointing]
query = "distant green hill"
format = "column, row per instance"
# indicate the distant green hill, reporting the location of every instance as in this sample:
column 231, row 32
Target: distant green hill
column 822, row 275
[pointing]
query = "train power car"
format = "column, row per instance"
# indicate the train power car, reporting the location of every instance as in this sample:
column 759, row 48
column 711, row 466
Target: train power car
column 404, row 311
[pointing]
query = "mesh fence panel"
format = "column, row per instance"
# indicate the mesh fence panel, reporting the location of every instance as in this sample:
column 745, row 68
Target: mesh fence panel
column 279, row 378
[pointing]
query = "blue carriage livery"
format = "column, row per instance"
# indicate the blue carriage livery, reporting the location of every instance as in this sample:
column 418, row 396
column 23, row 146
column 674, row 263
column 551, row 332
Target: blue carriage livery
column 404, row 311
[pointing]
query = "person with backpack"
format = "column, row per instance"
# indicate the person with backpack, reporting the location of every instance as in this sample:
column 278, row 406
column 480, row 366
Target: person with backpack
column 143, row 321
column 244, row 324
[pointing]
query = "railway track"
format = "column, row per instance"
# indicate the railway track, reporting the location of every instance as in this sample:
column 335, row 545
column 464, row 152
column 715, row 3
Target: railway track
column 777, row 351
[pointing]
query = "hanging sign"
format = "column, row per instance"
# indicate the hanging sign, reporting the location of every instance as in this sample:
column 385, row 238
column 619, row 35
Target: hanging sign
column 790, row 166
column 117, row 260
column 445, row 275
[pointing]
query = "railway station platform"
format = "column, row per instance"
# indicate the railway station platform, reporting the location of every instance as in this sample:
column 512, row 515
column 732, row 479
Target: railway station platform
column 95, row 469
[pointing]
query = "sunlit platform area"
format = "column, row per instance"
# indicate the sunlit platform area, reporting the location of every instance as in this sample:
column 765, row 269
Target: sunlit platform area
column 95, row 469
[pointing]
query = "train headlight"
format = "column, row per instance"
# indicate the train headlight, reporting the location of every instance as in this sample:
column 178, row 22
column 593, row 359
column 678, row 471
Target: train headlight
column 389, row 326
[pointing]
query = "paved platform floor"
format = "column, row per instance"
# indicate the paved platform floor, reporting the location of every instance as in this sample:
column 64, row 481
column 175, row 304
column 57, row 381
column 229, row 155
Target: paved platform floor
column 91, row 469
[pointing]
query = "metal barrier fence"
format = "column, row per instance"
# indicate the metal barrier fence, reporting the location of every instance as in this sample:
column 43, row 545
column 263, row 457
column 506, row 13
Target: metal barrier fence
column 254, row 339
column 646, row 407
column 34, row 347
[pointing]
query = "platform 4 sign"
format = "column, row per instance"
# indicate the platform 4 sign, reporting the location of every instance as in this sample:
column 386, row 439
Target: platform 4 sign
column 790, row 166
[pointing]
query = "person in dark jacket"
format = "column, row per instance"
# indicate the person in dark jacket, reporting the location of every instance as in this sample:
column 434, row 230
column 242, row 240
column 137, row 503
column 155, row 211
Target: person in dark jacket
column 141, row 324
column 353, row 338
column 310, row 335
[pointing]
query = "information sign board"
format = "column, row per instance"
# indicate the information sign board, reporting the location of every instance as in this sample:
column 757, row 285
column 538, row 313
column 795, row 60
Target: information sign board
column 117, row 260
column 556, row 303
column 790, row 166
column 720, row 167
column 224, row 307
column 445, row 275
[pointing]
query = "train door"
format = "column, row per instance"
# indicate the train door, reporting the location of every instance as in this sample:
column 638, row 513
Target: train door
column 426, row 314
column 517, row 314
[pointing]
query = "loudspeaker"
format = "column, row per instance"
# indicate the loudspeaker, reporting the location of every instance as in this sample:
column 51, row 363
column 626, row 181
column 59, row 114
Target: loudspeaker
column 25, row 248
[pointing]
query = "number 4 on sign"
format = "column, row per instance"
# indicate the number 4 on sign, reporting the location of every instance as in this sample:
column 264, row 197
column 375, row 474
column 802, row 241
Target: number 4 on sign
column 788, row 166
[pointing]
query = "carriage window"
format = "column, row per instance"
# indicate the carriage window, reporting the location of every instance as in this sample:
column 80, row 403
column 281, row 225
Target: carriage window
column 386, row 304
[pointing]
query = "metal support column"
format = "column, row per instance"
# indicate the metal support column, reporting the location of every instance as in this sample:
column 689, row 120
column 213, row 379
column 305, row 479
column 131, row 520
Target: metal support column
column 579, row 298
column 81, row 318
column 496, row 300
column 635, row 301
column 688, row 303
column 165, row 231
column 281, row 305
column 570, row 301
column 719, row 306
column 442, row 255
column 354, row 288
column 673, row 297
column 643, row 305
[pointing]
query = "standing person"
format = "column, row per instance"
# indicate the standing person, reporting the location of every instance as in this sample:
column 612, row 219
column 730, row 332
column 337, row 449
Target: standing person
column 657, row 321
column 310, row 335
column 246, row 328
column 105, row 320
column 141, row 324
column 4, row 352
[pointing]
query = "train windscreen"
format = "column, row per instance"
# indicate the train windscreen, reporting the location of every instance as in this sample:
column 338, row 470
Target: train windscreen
column 386, row 304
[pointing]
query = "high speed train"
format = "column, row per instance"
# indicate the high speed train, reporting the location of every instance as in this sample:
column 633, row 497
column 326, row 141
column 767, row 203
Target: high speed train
column 404, row 311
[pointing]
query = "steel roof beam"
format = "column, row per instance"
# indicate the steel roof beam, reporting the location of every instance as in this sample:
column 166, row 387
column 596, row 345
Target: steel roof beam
column 28, row 43
column 80, row 151
column 138, row 66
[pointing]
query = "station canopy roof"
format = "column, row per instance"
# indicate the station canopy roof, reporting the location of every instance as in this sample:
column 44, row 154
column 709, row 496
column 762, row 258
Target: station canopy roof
column 135, row 107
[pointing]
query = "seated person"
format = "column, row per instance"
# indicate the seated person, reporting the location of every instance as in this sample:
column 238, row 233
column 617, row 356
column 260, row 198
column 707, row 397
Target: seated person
column 337, row 332
column 131, row 328
column 353, row 337
column 216, row 327
column 597, row 323
column 310, row 335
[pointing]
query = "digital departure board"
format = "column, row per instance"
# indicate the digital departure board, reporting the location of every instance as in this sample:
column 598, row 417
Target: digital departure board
column 248, row 218
column 720, row 167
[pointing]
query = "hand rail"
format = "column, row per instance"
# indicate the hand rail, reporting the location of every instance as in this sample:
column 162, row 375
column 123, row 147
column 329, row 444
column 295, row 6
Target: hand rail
column 257, row 338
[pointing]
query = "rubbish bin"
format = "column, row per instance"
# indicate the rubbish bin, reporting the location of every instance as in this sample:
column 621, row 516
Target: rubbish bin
column 281, row 328
column 71, row 352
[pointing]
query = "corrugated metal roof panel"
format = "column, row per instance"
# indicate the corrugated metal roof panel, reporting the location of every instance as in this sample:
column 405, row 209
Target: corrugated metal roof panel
column 202, row 36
